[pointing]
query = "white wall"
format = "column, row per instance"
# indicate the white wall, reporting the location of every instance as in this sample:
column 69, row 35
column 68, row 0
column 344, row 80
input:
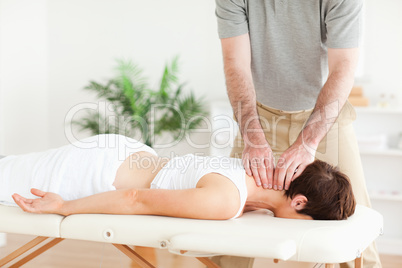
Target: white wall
column 64, row 44
column 49, row 50
column 383, row 49
column 86, row 36
column 24, row 96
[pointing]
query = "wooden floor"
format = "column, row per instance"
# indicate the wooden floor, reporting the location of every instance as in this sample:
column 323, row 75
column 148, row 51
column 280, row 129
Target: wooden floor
column 84, row 254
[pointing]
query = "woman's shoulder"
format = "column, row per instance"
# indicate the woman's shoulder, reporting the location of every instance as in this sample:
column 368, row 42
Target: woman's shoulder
column 214, row 162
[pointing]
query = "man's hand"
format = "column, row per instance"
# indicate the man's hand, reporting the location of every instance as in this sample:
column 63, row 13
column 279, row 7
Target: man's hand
column 47, row 203
column 258, row 161
column 292, row 163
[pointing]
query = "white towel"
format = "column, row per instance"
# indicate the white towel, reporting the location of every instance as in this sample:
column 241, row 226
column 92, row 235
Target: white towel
column 74, row 171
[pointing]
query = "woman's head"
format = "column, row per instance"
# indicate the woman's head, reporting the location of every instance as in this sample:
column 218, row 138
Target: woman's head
column 328, row 192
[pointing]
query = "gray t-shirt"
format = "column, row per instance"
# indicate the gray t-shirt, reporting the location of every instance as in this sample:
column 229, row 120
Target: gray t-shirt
column 289, row 41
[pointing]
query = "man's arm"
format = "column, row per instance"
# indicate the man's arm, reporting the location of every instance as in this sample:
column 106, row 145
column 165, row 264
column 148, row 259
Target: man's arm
column 342, row 65
column 257, row 154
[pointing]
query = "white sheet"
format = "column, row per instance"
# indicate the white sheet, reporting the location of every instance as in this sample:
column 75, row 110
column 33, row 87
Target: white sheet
column 77, row 170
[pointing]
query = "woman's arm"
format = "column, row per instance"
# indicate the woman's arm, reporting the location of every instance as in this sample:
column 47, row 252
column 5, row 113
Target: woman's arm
column 215, row 198
column 112, row 202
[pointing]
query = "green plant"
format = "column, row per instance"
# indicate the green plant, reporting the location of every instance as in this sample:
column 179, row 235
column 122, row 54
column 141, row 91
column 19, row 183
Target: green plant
column 133, row 106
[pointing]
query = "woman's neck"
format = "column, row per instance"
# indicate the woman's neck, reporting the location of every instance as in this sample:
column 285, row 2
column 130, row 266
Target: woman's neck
column 259, row 197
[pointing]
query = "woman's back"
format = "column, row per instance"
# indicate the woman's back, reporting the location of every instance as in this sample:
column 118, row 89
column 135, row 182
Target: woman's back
column 186, row 171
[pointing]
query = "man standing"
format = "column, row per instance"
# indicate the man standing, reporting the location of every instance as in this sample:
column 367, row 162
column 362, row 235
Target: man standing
column 289, row 68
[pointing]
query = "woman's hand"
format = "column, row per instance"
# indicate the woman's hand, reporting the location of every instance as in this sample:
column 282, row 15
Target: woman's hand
column 49, row 203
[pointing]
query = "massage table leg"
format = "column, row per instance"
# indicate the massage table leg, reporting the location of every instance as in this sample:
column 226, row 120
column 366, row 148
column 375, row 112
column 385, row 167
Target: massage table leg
column 134, row 256
column 208, row 262
column 27, row 247
column 123, row 248
column 36, row 241
column 359, row 262
column 37, row 252
column 128, row 251
column 147, row 253
column 18, row 252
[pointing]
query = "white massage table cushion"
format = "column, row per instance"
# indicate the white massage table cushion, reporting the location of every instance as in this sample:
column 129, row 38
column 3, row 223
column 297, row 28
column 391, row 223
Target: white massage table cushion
column 255, row 234
column 14, row 220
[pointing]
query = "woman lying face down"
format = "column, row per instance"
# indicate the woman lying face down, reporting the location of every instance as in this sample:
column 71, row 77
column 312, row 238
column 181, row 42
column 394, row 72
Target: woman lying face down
column 199, row 190
column 321, row 192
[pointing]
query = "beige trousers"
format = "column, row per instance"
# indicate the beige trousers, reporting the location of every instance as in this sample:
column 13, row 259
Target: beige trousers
column 338, row 148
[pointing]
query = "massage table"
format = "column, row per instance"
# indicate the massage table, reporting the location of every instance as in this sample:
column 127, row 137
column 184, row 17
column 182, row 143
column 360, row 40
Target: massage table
column 255, row 234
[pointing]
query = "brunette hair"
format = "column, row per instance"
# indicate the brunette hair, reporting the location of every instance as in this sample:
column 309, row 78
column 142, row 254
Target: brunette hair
column 328, row 191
